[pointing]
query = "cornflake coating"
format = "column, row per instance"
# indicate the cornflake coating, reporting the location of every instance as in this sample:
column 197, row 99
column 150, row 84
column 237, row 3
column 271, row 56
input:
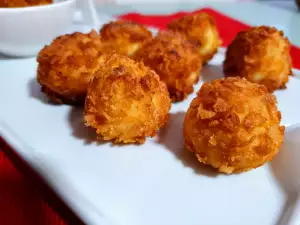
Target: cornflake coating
column 201, row 30
column 22, row 3
column 124, row 37
column 66, row 66
column 233, row 125
column 126, row 101
column 175, row 60
column 261, row 55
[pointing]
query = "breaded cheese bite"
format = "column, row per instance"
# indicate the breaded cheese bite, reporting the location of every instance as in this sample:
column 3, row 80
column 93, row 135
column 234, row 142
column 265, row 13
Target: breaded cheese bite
column 233, row 125
column 126, row 101
column 201, row 30
column 66, row 66
column 124, row 37
column 175, row 60
column 261, row 55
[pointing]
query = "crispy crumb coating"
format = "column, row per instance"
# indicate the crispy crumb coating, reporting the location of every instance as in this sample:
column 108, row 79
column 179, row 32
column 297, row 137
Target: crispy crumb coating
column 66, row 66
column 201, row 30
column 233, row 125
column 124, row 37
column 175, row 60
column 126, row 101
column 261, row 55
column 22, row 3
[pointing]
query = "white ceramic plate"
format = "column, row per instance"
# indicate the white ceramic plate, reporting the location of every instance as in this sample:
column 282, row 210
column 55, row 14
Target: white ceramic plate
column 157, row 183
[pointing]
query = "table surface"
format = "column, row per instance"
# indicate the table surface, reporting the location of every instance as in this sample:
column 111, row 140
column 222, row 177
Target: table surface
column 23, row 196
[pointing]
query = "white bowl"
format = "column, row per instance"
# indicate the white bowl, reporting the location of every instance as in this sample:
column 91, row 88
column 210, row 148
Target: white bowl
column 24, row 31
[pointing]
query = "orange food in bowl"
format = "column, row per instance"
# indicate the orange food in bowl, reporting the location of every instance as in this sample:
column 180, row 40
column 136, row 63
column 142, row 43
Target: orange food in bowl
column 23, row 3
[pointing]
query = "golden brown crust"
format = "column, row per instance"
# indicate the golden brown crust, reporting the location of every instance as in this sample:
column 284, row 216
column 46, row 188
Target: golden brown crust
column 57, row 98
column 124, row 37
column 126, row 101
column 66, row 66
column 175, row 60
column 22, row 3
column 233, row 125
column 201, row 30
column 261, row 55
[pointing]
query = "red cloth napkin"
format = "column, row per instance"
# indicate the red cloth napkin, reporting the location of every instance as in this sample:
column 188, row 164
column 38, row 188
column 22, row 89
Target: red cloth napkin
column 20, row 201
column 227, row 26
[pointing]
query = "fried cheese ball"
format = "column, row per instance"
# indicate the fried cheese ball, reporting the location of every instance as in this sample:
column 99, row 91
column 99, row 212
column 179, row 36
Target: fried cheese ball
column 124, row 37
column 201, row 30
column 233, row 125
column 175, row 60
column 126, row 101
column 66, row 66
column 261, row 55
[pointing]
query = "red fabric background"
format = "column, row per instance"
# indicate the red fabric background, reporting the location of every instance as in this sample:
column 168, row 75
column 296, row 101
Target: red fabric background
column 20, row 200
column 23, row 201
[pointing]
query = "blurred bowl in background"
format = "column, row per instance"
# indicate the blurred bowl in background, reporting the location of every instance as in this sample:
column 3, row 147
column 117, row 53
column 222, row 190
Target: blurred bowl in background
column 24, row 31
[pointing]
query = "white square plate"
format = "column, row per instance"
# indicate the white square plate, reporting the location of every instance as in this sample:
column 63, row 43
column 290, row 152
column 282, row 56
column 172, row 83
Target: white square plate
column 157, row 183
